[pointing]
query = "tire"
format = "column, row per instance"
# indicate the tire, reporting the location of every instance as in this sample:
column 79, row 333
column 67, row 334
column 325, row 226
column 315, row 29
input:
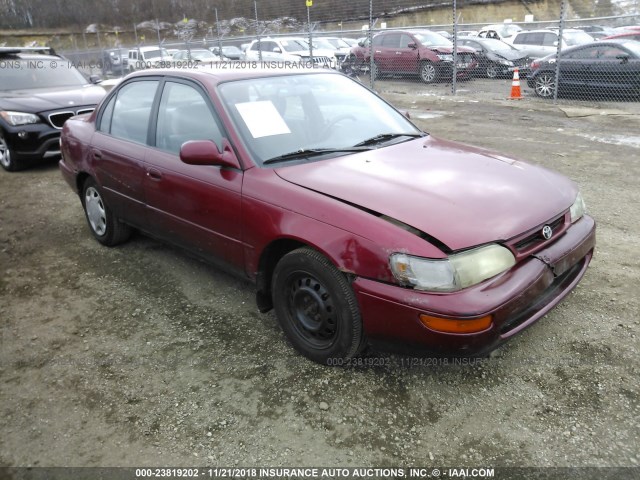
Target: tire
column 545, row 84
column 428, row 72
column 375, row 71
column 8, row 159
column 492, row 71
column 104, row 226
column 316, row 307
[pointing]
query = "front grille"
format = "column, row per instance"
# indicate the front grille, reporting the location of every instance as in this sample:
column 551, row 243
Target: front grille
column 536, row 237
column 57, row 119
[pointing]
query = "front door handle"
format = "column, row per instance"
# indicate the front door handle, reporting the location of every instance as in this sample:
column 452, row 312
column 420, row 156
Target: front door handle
column 154, row 174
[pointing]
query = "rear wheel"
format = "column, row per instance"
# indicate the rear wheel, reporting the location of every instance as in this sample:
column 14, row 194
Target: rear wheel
column 428, row 72
column 104, row 226
column 545, row 84
column 316, row 307
column 8, row 159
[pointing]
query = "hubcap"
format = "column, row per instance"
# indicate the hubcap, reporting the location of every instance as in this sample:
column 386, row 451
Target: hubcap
column 545, row 85
column 428, row 73
column 95, row 211
column 5, row 154
column 312, row 310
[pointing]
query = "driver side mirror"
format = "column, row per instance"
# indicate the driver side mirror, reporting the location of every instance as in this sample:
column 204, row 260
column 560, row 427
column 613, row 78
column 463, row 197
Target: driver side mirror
column 205, row 152
column 413, row 45
column 95, row 79
column 277, row 50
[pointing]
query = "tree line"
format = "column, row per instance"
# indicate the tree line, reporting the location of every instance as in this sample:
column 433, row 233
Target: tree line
column 78, row 14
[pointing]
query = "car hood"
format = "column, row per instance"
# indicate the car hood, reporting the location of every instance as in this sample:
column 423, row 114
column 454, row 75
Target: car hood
column 445, row 49
column 41, row 100
column 509, row 54
column 463, row 196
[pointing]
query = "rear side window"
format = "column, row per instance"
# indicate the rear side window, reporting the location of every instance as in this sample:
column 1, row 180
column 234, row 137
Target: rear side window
column 132, row 109
column 391, row 41
column 549, row 39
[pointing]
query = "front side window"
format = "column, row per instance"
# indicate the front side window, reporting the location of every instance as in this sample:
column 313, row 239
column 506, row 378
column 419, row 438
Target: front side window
column 184, row 115
column 132, row 110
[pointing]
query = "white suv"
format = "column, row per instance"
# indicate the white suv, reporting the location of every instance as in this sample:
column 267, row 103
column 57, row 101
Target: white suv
column 147, row 57
column 540, row 43
column 286, row 49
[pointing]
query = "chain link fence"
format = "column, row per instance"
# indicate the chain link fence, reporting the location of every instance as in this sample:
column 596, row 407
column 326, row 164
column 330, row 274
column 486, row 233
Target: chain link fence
column 562, row 51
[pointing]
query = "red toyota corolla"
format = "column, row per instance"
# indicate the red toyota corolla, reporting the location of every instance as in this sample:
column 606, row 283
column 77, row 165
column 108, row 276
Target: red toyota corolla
column 356, row 226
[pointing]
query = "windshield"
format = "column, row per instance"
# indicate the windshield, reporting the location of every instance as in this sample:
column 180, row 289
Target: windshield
column 39, row 73
column 279, row 115
column 294, row 45
column 155, row 54
column 576, row 38
column 506, row 30
column 321, row 43
column 338, row 43
column 496, row 45
column 202, row 55
column 431, row 39
column 633, row 46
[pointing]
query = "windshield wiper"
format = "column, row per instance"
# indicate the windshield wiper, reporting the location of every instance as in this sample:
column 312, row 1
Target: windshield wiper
column 383, row 137
column 311, row 152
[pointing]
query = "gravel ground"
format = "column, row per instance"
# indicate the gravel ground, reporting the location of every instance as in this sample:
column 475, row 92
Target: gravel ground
column 142, row 355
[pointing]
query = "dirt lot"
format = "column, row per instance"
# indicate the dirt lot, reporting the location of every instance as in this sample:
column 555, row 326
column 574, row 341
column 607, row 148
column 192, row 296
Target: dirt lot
column 141, row 355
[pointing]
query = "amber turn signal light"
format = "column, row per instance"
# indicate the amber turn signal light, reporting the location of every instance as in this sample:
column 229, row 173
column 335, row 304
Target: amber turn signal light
column 456, row 325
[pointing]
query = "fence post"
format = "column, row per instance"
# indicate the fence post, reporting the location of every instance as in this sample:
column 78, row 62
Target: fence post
column 310, row 35
column 563, row 7
column 370, row 39
column 454, row 73
column 219, row 37
column 255, row 6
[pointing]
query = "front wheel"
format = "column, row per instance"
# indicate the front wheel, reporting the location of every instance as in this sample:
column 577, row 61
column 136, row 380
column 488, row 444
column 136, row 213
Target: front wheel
column 492, row 71
column 316, row 307
column 428, row 72
column 104, row 226
column 545, row 84
column 8, row 159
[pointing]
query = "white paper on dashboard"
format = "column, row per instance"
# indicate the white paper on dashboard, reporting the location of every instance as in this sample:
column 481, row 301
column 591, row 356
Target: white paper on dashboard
column 262, row 119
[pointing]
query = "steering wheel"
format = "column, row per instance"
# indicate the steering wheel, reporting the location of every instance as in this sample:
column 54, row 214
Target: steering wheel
column 334, row 121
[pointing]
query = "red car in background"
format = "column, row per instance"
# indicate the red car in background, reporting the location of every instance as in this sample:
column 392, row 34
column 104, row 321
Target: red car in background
column 426, row 54
column 355, row 226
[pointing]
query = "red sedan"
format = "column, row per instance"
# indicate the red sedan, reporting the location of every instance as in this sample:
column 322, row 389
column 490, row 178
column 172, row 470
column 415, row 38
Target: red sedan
column 355, row 226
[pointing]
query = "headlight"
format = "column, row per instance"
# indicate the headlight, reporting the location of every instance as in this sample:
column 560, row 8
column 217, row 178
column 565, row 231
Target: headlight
column 578, row 209
column 445, row 57
column 454, row 273
column 19, row 118
column 508, row 63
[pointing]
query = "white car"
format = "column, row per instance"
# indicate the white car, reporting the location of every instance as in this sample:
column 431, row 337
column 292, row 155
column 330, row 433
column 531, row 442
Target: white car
column 540, row 43
column 286, row 49
column 147, row 57
column 500, row 31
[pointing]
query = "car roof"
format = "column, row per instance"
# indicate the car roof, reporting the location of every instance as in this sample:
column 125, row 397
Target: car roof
column 27, row 52
column 211, row 74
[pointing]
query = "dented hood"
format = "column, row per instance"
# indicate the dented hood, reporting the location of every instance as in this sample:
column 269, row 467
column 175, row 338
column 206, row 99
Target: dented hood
column 463, row 196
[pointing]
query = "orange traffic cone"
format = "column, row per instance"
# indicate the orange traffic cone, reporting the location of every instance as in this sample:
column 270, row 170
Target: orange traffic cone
column 515, row 86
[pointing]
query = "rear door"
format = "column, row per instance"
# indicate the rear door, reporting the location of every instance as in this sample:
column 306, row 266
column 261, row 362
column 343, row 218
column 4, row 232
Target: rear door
column 119, row 145
column 197, row 206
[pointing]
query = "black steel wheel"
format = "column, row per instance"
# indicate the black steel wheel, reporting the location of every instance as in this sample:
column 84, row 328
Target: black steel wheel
column 104, row 226
column 316, row 307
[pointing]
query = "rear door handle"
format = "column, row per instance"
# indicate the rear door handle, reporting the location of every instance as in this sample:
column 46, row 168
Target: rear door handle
column 97, row 154
column 154, row 174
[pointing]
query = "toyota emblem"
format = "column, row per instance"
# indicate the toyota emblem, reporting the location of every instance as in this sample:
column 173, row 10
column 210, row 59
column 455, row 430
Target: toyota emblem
column 547, row 232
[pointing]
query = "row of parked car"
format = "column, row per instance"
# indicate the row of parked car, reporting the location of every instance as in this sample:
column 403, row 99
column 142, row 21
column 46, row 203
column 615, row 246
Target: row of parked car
column 587, row 65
